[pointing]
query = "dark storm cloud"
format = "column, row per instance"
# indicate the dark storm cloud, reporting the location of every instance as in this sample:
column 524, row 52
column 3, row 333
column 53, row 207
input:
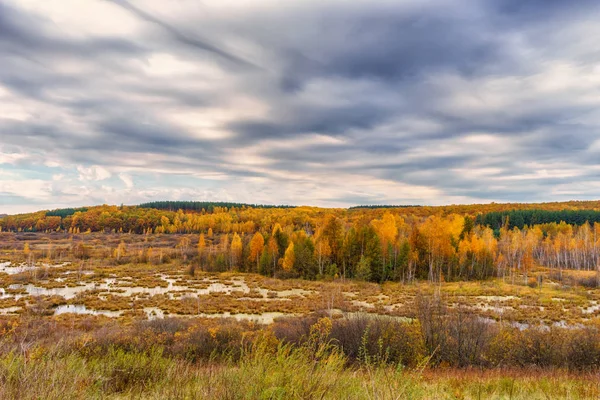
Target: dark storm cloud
column 30, row 47
column 393, row 47
column 306, row 120
column 148, row 136
column 396, row 43
column 424, row 164
column 475, row 100
column 536, row 10
column 182, row 37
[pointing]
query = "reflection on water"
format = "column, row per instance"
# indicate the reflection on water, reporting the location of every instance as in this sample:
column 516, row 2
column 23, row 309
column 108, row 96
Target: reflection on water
column 156, row 313
column 9, row 310
column 7, row 268
column 81, row 309
column 264, row 318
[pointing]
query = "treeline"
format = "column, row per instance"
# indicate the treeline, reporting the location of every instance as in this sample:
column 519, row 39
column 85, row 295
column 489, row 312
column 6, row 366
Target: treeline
column 381, row 206
column 368, row 244
column 316, row 245
column 521, row 218
column 208, row 206
column 64, row 212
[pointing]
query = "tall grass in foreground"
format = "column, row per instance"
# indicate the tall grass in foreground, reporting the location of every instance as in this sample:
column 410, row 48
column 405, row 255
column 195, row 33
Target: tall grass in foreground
column 267, row 370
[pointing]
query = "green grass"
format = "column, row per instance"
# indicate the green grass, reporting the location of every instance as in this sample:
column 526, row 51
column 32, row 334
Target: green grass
column 313, row 371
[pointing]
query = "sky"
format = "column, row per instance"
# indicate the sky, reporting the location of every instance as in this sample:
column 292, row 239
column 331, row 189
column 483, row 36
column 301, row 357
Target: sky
column 329, row 103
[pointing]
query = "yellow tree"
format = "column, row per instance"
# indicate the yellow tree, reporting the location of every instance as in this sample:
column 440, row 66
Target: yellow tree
column 49, row 250
column 201, row 245
column 387, row 232
column 464, row 253
column 27, row 253
column 490, row 249
column 289, row 258
column 596, row 245
column 438, row 233
column 120, row 251
column 322, row 251
column 150, row 254
column 236, row 249
column 273, row 250
column 183, row 245
column 530, row 240
column 225, row 245
column 276, row 228
column 256, row 247
column 165, row 222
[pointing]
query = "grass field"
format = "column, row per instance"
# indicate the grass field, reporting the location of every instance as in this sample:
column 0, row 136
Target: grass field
column 264, row 373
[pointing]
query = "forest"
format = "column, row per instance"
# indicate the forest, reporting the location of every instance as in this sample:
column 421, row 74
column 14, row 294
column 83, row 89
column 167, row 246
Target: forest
column 522, row 218
column 201, row 205
column 447, row 243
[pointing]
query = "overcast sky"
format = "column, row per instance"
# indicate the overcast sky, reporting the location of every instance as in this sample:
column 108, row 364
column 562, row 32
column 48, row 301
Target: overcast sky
column 328, row 103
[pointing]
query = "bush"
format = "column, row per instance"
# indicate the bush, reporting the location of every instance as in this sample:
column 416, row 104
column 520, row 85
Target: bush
column 380, row 339
column 120, row 371
column 582, row 349
column 589, row 282
column 293, row 329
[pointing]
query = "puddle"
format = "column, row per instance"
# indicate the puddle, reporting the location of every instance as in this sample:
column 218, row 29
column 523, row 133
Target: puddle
column 362, row 304
column 154, row 313
column 10, row 310
column 83, row 272
column 264, row 299
column 8, row 268
column 81, row 309
column 497, row 309
column 496, row 298
column 265, row 318
column 32, row 290
column 592, row 308
column 519, row 325
column 393, row 307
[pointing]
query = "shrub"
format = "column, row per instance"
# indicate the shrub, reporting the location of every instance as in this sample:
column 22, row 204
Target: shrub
column 381, row 339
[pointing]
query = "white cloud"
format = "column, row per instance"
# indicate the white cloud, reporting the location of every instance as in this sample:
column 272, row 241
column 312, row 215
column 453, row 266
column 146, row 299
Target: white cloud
column 126, row 180
column 93, row 173
column 11, row 158
column 34, row 189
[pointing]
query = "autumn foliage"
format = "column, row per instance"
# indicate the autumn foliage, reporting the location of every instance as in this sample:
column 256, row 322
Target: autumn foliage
column 401, row 244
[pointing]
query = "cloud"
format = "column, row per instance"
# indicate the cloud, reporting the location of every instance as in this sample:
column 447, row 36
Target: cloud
column 328, row 103
column 126, row 180
column 93, row 173
column 180, row 36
